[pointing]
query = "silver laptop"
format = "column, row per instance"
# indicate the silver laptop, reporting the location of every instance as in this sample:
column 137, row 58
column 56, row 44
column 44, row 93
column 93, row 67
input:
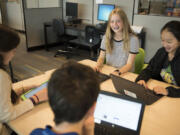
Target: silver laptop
column 117, row 114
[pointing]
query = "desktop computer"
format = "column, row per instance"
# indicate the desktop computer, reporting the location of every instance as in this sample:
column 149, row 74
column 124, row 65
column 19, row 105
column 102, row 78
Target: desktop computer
column 72, row 9
column 72, row 13
column 104, row 11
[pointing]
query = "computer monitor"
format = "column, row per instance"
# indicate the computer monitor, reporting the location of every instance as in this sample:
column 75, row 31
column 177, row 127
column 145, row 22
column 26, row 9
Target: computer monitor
column 103, row 11
column 72, row 9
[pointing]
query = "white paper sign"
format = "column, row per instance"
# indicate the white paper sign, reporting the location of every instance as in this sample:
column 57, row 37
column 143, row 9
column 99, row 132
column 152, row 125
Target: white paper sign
column 99, row 1
column 129, row 93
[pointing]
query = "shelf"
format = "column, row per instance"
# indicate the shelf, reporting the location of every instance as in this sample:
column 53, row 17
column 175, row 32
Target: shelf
column 170, row 8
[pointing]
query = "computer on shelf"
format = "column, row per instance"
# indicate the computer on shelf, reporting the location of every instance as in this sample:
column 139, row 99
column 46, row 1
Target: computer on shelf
column 72, row 13
column 103, row 14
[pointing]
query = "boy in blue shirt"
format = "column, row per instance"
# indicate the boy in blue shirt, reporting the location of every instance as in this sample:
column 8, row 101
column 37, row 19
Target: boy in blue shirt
column 72, row 93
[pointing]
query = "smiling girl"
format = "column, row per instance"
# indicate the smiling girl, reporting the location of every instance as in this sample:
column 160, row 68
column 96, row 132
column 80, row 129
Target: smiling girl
column 119, row 46
column 165, row 65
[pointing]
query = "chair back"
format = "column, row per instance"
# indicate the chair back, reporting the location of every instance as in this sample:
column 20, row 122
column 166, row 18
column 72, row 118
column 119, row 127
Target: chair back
column 92, row 35
column 139, row 61
column 58, row 26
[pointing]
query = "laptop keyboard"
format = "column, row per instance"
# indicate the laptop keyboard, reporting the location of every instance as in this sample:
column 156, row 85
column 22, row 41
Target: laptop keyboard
column 152, row 93
column 103, row 130
column 151, row 97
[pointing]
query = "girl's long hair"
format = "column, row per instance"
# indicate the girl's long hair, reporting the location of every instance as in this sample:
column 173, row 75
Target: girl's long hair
column 9, row 40
column 127, row 31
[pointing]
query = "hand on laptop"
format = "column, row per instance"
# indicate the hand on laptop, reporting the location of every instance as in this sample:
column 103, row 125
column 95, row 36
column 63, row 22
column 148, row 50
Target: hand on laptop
column 160, row 90
column 97, row 69
column 116, row 72
column 143, row 83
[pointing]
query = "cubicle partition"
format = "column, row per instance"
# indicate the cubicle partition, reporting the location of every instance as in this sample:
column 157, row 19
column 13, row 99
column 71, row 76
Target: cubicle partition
column 36, row 13
column 152, row 25
column 126, row 5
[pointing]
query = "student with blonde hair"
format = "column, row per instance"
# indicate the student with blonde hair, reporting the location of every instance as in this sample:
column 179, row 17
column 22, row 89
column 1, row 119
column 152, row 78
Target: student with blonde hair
column 119, row 45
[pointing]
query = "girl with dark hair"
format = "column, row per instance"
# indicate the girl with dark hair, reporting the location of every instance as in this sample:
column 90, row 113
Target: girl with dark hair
column 9, row 108
column 165, row 65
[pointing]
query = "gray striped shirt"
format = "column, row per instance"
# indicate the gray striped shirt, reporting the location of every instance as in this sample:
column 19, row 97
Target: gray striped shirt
column 118, row 58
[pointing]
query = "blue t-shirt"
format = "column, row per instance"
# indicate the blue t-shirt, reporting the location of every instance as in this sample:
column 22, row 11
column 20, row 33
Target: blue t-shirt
column 48, row 131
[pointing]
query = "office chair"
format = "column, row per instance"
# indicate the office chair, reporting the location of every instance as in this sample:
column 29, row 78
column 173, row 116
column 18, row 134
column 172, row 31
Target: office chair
column 139, row 61
column 92, row 37
column 58, row 28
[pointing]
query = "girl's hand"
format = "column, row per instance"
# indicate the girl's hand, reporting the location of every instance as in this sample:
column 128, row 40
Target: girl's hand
column 160, row 90
column 40, row 96
column 143, row 83
column 97, row 69
column 26, row 88
column 116, row 72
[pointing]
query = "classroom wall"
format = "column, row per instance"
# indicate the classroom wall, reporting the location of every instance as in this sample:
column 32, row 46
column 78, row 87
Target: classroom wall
column 85, row 10
column 35, row 17
column 13, row 14
column 152, row 26
column 34, row 22
column 126, row 5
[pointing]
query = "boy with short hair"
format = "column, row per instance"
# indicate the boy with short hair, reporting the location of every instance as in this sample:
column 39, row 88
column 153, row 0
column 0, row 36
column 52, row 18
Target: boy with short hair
column 72, row 93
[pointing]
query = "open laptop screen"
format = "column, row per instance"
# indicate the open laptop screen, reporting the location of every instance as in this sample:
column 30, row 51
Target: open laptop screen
column 118, row 111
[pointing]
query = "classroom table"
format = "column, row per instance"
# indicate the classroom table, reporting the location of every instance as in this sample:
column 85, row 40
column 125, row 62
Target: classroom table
column 160, row 118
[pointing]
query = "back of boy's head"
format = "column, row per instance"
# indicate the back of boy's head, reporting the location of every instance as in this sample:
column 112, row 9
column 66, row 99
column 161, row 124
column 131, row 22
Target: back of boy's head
column 72, row 90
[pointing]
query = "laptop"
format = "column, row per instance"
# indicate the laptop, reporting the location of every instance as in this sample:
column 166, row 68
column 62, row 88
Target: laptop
column 134, row 90
column 117, row 114
column 103, row 77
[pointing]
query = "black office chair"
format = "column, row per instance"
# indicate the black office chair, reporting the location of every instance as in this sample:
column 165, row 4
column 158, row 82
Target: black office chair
column 58, row 28
column 92, row 37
